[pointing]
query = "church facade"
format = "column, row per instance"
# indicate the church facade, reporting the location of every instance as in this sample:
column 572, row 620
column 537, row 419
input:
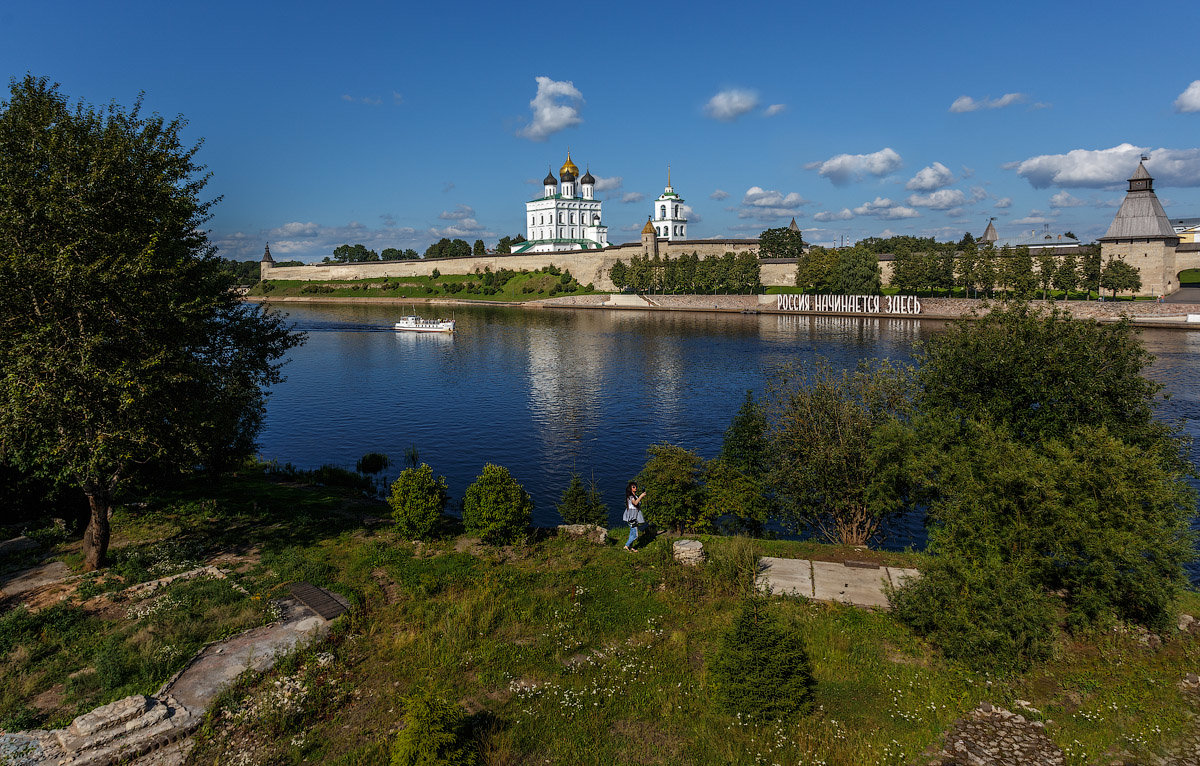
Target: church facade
column 566, row 217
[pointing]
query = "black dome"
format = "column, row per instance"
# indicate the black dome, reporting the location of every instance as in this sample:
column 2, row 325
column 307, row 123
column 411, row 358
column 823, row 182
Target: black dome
column 551, row 180
column 587, row 178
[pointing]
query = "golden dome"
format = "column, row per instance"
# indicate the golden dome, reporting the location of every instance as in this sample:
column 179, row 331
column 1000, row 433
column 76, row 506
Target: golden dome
column 648, row 228
column 569, row 167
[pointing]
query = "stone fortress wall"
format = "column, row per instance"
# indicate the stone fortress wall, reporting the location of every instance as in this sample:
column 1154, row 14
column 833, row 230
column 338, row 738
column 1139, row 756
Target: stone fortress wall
column 587, row 266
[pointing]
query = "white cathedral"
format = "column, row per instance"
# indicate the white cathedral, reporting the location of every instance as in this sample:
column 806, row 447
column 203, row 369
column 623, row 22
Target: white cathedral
column 567, row 217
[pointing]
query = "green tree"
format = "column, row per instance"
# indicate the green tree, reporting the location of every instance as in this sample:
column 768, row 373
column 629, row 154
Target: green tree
column 1066, row 276
column 496, row 507
column 1089, row 269
column 814, row 270
column 121, row 346
column 1041, row 375
column 1119, row 276
column 762, row 671
column 745, row 446
column 985, row 270
column 392, row 254
column 478, row 248
column 671, row 480
column 1047, row 270
column 583, row 505
column 783, row 242
column 435, row 733
column 354, row 254
column 733, row 498
column 822, row 425
column 967, row 265
column 618, row 273
column 418, row 501
column 857, row 273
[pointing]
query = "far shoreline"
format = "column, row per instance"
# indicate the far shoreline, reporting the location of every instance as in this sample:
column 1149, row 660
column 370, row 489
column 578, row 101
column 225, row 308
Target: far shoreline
column 1148, row 314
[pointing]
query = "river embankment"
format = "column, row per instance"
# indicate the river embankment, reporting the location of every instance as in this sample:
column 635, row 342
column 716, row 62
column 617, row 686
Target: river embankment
column 1141, row 313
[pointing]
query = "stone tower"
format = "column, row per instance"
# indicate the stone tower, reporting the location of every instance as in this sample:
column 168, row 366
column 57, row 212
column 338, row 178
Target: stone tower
column 267, row 263
column 649, row 239
column 1141, row 235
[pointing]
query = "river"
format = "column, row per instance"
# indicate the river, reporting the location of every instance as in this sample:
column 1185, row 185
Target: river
column 548, row 392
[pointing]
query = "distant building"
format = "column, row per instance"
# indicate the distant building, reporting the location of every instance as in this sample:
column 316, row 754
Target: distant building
column 667, row 215
column 566, row 217
column 1034, row 239
column 1188, row 229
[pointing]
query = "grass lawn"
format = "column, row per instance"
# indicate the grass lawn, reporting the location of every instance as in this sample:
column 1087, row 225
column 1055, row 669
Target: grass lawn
column 559, row 650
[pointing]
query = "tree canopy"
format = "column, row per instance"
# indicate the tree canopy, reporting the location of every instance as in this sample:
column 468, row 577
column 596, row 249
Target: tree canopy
column 121, row 345
column 783, row 242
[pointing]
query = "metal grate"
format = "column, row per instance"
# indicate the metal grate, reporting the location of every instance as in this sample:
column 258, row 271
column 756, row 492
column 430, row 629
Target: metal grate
column 321, row 601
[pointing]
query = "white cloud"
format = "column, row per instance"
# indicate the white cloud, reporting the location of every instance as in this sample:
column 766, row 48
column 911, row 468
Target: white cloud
column 844, row 168
column 968, row 104
column 719, row 195
column 1064, row 199
column 942, row 199
column 364, row 100
column 1108, row 168
column 462, row 227
column 978, row 194
column 774, row 109
column 691, row 215
column 459, row 213
column 629, row 197
column 555, row 108
column 1003, row 202
column 884, row 208
column 297, row 229
column 929, row 178
column 1036, row 216
column 609, row 183
column 1189, row 100
column 730, row 104
column 829, row 215
column 768, row 204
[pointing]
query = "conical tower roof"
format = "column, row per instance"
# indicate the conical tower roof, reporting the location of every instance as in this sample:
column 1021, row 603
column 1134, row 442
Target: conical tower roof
column 1141, row 215
column 649, row 227
column 793, row 225
column 267, row 254
column 989, row 234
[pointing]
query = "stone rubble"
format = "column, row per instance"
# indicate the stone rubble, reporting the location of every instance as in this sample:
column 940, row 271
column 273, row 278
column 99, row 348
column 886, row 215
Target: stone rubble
column 991, row 736
column 590, row 532
column 690, row 552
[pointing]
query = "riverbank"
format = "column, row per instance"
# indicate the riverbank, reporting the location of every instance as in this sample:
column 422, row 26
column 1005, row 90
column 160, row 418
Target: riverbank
column 1141, row 313
column 555, row 646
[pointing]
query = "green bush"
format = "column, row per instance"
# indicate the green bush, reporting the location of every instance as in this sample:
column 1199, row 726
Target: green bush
column 418, row 501
column 435, row 734
column 762, row 671
column 583, row 505
column 496, row 507
column 987, row 614
column 671, row 480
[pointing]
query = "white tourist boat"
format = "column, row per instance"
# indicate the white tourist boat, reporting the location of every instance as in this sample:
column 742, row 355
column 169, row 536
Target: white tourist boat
column 417, row 324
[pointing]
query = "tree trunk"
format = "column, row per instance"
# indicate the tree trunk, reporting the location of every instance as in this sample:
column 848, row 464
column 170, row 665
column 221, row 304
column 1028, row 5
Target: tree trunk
column 95, row 537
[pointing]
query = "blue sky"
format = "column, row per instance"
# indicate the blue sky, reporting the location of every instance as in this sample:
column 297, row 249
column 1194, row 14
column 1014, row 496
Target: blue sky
column 393, row 124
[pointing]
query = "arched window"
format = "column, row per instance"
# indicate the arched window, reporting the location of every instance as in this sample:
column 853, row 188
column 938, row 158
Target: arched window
column 662, row 211
column 677, row 211
column 572, row 218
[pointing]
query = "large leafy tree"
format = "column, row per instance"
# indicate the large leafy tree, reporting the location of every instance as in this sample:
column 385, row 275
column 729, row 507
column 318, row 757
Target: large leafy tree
column 1120, row 277
column 121, row 345
column 783, row 242
column 857, row 273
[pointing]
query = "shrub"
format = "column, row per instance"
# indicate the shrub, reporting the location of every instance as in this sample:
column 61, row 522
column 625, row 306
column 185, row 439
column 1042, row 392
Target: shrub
column 436, row 273
column 762, row 671
column 671, row 480
column 372, row 463
column 418, row 501
column 733, row 499
column 582, row 505
column 435, row 734
column 987, row 614
column 496, row 507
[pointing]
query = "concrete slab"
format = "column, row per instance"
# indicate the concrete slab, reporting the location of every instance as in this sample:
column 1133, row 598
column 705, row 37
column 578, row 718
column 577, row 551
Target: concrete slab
column 28, row 579
column 790, row 577
column 17, row 545
column 898, row 576
column 217, row 665
column 834, row 581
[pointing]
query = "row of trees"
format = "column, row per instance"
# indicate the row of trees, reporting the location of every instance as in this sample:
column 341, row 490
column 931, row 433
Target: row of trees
column 443, row 248
column 845, row 271
column 1029, row 441
column 1017, row 272
column 689, row 274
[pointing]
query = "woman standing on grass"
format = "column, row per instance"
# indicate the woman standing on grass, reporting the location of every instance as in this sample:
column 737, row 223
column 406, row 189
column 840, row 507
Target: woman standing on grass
column 633, row 514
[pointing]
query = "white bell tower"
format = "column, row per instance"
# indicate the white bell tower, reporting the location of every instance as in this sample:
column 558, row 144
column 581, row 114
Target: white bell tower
column 667, row 218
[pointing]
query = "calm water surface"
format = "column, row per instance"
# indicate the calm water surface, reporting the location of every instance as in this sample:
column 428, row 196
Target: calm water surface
column 548, row 392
